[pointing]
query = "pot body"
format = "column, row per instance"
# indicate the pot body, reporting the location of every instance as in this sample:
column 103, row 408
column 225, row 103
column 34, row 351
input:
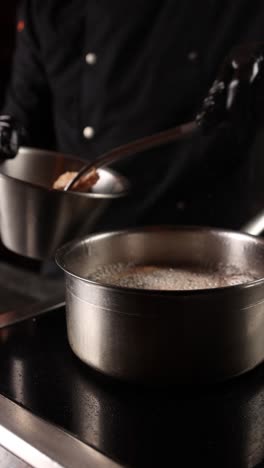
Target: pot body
column 34, row 219
column 148, row 336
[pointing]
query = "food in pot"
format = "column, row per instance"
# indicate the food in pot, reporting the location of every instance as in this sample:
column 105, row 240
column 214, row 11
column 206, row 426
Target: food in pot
column 167, row 278
column 84, row 184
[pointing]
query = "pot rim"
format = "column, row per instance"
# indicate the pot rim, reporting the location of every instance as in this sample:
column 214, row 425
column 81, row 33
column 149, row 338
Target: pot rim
column 238, row 288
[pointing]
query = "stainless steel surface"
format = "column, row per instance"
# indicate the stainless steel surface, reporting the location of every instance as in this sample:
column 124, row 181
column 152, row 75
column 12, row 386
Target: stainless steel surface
column 9, row 460
column 43, row 445
column 255, row 226
column 137, row 146
column 26, row 294
column 35, row 219
column 187, row 336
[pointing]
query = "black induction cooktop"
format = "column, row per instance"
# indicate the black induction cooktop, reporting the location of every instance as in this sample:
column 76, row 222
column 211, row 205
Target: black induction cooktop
column 216, row 426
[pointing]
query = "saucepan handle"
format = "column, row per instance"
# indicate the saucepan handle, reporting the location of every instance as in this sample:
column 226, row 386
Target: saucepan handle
column 255, row 226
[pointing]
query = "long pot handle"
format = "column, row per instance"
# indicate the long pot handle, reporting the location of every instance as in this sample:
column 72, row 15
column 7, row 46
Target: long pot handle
column 255, row 226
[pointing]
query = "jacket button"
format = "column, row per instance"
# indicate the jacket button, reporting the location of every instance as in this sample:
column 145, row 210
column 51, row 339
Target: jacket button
column 193, row 56
column 88, row 132
column 90, row 58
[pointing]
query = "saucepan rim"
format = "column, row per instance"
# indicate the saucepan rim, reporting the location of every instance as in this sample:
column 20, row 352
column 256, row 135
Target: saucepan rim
column 64, row 249
column 123, row 180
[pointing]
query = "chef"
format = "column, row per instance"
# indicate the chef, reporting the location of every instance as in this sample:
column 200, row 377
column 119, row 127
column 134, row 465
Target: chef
column 91, row 75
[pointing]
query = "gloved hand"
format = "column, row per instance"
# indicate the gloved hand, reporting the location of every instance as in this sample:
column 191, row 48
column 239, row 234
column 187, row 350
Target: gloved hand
column 237, row 91
column 11, row 136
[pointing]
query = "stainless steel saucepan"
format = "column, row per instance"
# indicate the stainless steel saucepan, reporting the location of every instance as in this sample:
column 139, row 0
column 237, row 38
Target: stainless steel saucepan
column 35, row 219
column 184, row 336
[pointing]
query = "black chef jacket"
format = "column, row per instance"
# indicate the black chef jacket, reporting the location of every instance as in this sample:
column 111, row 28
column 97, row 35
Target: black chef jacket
column 89, row 75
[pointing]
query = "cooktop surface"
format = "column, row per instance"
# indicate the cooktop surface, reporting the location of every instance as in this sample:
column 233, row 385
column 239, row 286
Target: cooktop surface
column 218, row 426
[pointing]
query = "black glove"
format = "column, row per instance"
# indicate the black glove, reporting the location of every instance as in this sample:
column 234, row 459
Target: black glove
column 12, row 136
column 238, row 91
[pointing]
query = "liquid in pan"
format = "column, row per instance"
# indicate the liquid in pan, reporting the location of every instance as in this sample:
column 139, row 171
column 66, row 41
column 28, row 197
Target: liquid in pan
column 165, row 278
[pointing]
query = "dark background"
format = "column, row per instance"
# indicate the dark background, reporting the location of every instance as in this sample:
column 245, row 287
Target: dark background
column 7, row 40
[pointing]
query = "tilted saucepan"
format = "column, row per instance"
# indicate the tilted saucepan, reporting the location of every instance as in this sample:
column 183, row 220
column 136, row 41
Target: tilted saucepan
column 149, row 335
column 35, row 219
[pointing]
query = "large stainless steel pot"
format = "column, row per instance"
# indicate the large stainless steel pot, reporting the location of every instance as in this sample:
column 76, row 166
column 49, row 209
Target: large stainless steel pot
column 187, row 336
column 36, row 220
